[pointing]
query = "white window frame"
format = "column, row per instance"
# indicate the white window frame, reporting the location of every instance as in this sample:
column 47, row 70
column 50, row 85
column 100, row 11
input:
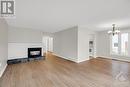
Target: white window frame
column 119, row 45
column 111, row 51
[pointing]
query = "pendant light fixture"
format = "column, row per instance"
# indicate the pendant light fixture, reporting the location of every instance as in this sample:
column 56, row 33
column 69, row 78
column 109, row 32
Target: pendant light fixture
column 114, row 30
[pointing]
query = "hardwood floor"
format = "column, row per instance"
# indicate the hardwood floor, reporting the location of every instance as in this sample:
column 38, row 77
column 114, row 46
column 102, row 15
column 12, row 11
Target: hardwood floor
column 57, row 72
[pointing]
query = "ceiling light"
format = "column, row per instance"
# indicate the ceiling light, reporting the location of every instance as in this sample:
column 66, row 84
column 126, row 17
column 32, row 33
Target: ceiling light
column 114, row 30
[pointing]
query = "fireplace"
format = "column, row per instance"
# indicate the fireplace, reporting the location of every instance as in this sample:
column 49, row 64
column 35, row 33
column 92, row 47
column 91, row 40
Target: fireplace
column 34, row 52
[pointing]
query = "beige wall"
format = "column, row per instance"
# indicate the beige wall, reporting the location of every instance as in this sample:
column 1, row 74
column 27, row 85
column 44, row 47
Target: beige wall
column 3, row 45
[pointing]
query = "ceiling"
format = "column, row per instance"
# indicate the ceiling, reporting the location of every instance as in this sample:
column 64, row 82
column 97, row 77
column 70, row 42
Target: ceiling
column 55, row 15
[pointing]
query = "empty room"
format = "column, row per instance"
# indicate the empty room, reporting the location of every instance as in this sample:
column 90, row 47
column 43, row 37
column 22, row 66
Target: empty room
column 64, row 43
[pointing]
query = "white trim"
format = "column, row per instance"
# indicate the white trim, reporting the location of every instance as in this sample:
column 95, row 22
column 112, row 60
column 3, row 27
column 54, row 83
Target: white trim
column 116, row 58
column 2, row 71
column 79, row 61
column 70, row 59
column 105, row 57
column 119, row 45
column 119, row 55
column 73, row 60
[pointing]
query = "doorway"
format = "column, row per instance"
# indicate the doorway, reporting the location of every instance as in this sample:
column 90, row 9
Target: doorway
column 91, row 49
column 47, row 44
column 91, row 46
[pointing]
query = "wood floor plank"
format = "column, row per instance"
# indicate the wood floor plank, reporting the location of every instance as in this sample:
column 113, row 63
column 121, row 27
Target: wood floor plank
column 57, row 72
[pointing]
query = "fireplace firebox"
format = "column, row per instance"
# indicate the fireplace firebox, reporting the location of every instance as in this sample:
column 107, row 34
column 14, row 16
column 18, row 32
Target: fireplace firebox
column 34, row 52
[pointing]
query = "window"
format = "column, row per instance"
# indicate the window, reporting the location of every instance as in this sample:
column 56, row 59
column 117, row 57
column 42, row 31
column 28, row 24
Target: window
column 124, row 44
column 115, row 43
column 119, row 44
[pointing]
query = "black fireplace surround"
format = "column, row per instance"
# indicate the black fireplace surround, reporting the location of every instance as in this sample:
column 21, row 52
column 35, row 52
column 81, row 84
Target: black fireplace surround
column 34, row 52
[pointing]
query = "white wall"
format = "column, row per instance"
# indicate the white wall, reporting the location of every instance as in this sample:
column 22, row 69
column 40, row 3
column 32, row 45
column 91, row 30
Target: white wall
column 103, row 46
column 73, row 44
column 24, row 35
column 20, row 50
column 83, row 43
column 65, row 43
column 3, row 45
column 20, row 39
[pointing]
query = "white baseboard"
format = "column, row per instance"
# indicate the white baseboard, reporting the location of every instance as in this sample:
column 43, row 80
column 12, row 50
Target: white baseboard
column 104, row 57
column 70, row 59
column 118, row 58
column 73, row 60
column 79, row 61
column 2, row 71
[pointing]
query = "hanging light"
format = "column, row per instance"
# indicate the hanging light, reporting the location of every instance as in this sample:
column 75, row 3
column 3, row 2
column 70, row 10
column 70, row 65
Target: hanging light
column 114, row 30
